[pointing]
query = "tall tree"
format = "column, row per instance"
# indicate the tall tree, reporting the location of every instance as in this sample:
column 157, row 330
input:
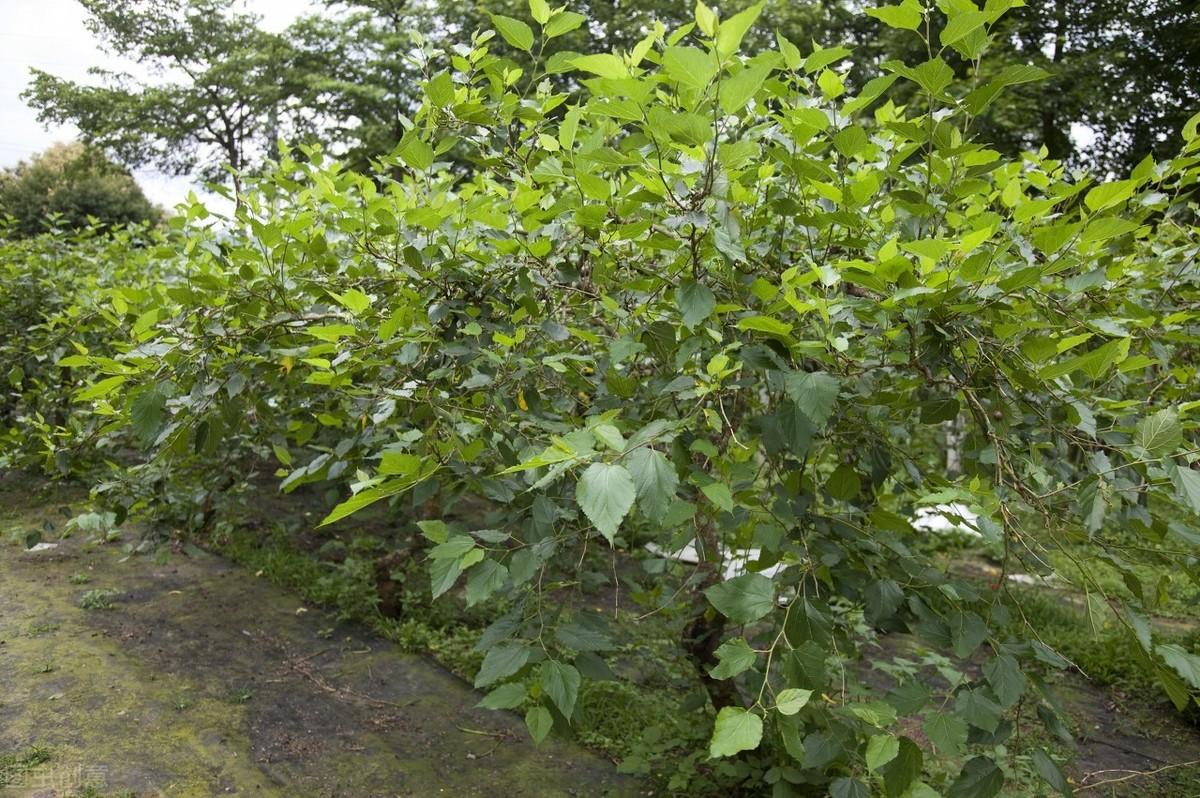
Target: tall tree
column 215, row 91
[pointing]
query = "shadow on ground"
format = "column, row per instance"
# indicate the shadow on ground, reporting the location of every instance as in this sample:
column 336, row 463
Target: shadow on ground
column 198, row 679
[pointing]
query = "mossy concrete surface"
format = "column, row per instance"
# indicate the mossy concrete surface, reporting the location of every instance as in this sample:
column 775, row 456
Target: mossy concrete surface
column 203, row 680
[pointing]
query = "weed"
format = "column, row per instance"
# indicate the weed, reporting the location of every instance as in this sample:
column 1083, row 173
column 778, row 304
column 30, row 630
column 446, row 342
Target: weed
column 12, row 766
column 99, row 599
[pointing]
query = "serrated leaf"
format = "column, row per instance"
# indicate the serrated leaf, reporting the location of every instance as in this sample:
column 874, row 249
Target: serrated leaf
column 563, row 22
column 514, row 31
column 605, row 493
column 485, row 580
column 961, row 25
column 906, row 16
column 501, row 661
column 560, row 682
column 147, row 412
column 947, row 731
column 814, row 392
column 733, row 657
column 792, row 700
column 1048, row 769
column 1004, row 675
column 904, row 769
column 980, row 778
column 696, row 302
column 1160, row 433
column 539, row 721
column 506, row 696
column 606, row 65
column 881, row 749
column 743, row 599
column 736, row 730
column 1187, row 486
column 1186, row 664
column 845, row 787
column 730, row 32
column 655, row 480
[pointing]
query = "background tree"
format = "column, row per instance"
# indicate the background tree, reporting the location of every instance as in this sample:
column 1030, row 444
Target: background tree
column 69, row 186
column 223, row 91
column 217, row 95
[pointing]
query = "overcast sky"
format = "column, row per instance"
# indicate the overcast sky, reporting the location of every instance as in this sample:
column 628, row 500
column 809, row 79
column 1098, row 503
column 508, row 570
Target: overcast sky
column 50, row 35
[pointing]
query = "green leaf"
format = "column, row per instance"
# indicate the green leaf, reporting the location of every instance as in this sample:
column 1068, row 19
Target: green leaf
column 1185, row 664
column 690, row 66
column 606, row 65
column 354, row 301
column 978, row 710
column 1048, row 769
column 502, row 661
column 539, row 721
column 792, row 700
column 730, row 32
column 605, row 493
column 560, row 682
column 655, row 480
column 1094, row 363
column 844, row 484
column 906, row 16
column 718, row 493
column 610, row 436
column 384, row 490
column 743, row 599
column 737, row 90
column 947, row 731
column 695, row 301
column 514, row 31
column 980, row 778
column 1107, row 195
column 734, row 657
column 506, row 696
column 765, row 324
column 961, row 25
column 901, row 772
column 485, row 579
column 100, row 389
column 147, row 412
column 443, row 574
column 1160, row 433
column 540, row 11
column 563, row 22
column 440, row 89
column 417, row 154
column 967, row 631
column 814, row 392
column 1004, row 675
column 736, row 730
column 1187, row 486
column 881, row 749
column 845, row 787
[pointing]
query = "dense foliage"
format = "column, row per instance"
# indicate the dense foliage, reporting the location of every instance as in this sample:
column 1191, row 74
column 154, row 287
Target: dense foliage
column 71, row 187
column 686, row 293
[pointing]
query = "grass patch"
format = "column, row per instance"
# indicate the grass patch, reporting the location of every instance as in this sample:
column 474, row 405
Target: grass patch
column 1106, row 655
column 15, row 765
